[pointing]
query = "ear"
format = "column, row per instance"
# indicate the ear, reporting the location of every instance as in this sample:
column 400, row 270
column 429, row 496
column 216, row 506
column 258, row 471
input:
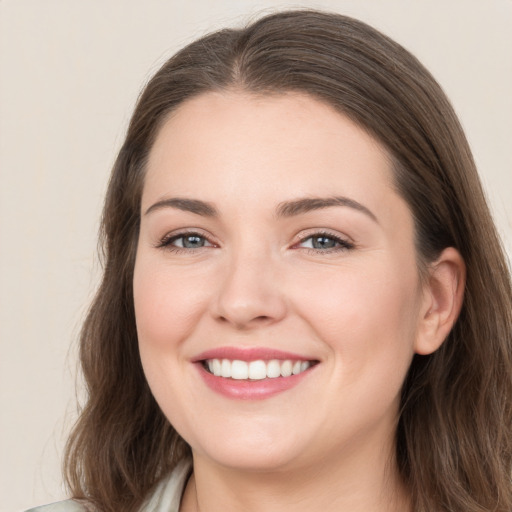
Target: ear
column 443, row 294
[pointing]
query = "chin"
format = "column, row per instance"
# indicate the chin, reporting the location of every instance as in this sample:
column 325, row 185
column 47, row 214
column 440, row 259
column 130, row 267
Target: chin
column 258, row 449
column 252, row 460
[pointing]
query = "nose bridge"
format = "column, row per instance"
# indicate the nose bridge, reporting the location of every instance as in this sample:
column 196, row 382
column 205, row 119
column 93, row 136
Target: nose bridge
column 249, row 293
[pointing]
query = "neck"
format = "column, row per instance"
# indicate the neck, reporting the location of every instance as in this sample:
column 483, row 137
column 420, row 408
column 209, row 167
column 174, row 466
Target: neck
column 369, row 484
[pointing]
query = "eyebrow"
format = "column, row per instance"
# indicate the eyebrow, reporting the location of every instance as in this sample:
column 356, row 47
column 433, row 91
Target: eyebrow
column 307, row 204
column 284, row 209
column 187, row 205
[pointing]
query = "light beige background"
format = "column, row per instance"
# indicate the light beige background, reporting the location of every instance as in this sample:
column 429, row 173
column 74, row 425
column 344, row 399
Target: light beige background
column 70, row 73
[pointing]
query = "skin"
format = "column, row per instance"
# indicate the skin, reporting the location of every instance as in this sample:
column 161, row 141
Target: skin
column 359, row 307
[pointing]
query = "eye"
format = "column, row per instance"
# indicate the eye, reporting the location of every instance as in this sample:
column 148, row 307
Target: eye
column 325, row 242
column 185, row 242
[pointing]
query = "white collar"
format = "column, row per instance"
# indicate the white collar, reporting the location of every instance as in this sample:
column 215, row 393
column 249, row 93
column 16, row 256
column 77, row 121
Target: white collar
column 167, row 495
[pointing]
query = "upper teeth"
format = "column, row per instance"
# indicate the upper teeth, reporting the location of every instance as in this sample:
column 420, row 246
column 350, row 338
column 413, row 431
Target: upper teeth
column 256, row 370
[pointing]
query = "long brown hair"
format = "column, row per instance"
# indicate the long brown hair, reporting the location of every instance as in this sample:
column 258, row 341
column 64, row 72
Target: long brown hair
column 454, row 440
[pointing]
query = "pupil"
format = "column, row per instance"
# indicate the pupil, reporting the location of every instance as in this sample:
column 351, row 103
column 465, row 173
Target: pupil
column 323, row 242
column 192, row 242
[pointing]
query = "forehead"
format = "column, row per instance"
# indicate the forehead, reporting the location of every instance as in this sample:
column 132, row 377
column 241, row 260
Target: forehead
column 302, row 122
column 233, row 144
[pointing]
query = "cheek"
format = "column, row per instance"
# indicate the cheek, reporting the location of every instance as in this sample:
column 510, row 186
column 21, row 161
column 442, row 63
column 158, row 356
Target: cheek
column 167, row 310
column 167, row 304
column 367, row 315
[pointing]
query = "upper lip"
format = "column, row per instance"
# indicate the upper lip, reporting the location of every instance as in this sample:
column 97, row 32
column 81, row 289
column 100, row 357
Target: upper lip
column 249, row 354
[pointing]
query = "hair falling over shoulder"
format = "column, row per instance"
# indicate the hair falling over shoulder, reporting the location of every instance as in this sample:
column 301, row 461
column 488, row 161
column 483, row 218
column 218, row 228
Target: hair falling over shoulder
column 454, row 437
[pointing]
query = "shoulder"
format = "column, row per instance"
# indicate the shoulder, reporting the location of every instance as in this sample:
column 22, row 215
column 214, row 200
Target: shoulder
column 166, row 496
column 60, row 506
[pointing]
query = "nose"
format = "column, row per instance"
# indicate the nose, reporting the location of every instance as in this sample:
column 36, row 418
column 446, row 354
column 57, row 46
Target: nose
column 249, row 294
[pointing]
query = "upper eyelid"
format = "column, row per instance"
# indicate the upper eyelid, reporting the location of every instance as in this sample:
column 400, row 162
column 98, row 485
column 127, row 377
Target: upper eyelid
column 343, row 243
column 186, row 231
column 308, row 233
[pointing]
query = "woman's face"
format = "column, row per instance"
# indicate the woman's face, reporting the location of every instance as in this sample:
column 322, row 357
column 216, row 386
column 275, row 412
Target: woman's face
column 273, row 242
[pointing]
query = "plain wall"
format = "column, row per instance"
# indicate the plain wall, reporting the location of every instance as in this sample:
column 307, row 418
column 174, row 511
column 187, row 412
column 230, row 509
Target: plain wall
column 70, row 71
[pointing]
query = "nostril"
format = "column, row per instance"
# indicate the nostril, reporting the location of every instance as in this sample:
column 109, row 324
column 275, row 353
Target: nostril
column 241, row 323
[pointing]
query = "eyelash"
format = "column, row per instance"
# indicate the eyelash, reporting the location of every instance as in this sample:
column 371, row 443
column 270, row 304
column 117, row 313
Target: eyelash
column 167, row 241
column 343, row 245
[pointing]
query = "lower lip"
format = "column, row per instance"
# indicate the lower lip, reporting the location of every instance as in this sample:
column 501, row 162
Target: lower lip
column 251, row 389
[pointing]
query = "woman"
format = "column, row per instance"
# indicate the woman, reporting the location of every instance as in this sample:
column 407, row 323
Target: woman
column 305, row 303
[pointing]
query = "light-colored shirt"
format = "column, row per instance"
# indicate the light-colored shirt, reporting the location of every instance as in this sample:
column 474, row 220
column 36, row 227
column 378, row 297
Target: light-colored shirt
column 165, row 498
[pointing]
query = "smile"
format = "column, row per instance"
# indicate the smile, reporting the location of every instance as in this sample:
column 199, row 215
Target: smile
column 243, row 373
column 255, row 370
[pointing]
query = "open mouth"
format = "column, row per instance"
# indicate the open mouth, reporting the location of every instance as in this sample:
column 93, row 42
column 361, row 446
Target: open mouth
column 255, row 370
